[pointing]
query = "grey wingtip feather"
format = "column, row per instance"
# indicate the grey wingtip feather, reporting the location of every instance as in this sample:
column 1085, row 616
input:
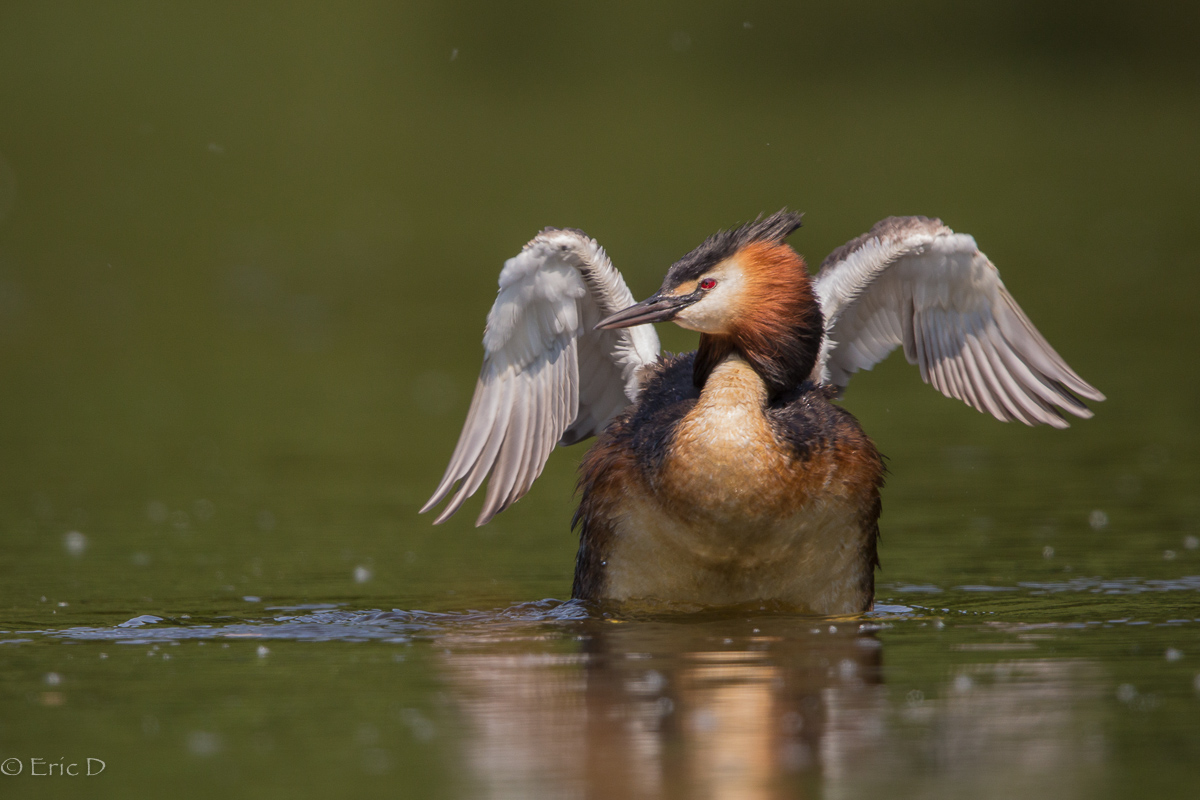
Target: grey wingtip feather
column 446, row 514
column 440, row 494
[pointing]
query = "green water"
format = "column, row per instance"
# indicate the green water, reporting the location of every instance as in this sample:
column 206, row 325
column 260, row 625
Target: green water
column 245, row 257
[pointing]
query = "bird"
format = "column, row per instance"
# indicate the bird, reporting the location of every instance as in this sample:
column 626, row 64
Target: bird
column 729, row 475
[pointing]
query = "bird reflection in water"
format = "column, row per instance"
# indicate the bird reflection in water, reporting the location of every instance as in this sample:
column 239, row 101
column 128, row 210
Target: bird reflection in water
column 752, row 708
column 729, row 708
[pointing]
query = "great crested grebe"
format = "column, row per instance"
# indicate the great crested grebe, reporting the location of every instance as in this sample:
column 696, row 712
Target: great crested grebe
column 726, row 475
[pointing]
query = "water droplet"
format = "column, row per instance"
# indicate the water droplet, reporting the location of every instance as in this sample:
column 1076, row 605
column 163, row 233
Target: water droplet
column 362, row 574
column 1098, row 520
column 53, row 679
column 1173, row 655
column 204, row 744
column 75, row 542
column 704, row 720
column 1047, row 552
column 652, row 682
column 263, row 651
column 1126, row 693
column 1191, row 542
column 420, row 726
column 203, row 509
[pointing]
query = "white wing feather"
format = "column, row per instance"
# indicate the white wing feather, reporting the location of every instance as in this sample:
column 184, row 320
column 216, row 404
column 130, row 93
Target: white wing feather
column 548, row 377
column 912, row 281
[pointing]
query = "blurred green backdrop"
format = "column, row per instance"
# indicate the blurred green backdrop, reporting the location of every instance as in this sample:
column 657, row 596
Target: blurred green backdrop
column 246, row 250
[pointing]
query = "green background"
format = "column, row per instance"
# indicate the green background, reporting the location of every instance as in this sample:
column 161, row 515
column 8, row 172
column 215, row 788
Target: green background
column 246, row 251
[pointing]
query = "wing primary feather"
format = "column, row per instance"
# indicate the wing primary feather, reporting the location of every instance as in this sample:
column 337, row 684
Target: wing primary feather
column 1022, row 393
column 1034, row 348
column 1046, row 391
column 967, row 376
column 933, row 354
column 992, row 384
column 572, row 408
column 986, row 400
column 1057, row 378
column 487, row 457
column 951, row 357
column 978, row 399
column 907, row 318
column 537, row 421
column 558, row 407
column 966, row 379
column 934, row 336
column 921, row 349
column 540, row 420
column 508, row 458
column 480, row 418
column 1035, row 411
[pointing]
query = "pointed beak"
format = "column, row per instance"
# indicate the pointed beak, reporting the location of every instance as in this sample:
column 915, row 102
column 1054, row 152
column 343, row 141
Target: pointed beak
column 656, row 308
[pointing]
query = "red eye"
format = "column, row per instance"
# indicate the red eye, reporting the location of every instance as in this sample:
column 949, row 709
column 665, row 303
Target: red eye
column 707, row 284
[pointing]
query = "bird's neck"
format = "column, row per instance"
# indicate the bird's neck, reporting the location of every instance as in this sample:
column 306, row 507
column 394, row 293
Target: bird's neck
column 781, row 338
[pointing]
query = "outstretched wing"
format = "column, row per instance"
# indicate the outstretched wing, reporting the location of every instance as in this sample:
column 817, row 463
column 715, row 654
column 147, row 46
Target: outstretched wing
column 547, row 376
column 912, row 281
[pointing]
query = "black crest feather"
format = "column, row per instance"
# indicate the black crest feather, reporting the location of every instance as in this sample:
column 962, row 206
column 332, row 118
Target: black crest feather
column 722, row 244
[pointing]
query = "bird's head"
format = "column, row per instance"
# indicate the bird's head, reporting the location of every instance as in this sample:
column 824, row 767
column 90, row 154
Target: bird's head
column 746, row 289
